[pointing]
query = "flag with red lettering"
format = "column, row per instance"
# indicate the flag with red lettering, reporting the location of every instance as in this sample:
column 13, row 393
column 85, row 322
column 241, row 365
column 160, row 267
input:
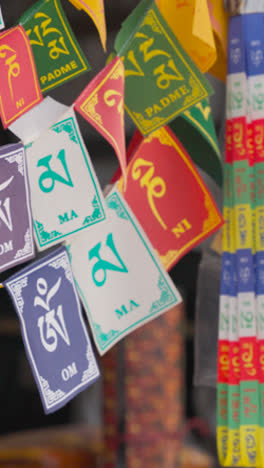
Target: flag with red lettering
column 168, row 197
column 19, row 86
column 102, row 105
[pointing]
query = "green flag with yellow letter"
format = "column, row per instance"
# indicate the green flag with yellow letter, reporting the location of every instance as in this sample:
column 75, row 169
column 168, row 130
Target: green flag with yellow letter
column 57, row 54
column 161, row 80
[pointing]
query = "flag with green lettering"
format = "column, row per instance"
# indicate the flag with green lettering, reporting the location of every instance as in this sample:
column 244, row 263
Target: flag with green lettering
column 120, row 279
column 65, row 193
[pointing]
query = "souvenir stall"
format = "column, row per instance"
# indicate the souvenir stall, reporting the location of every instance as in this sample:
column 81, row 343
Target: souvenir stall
column 131, row 228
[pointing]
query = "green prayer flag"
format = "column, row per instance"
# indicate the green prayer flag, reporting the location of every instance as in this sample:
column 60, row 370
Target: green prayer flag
column 161, row 80
column 57, row 53
column 195, row 130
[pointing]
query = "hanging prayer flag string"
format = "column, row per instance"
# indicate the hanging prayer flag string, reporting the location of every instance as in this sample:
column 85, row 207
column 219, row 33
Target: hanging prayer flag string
column 245, row 143
column 243, row 177
column 253, row 25
column 255, row 41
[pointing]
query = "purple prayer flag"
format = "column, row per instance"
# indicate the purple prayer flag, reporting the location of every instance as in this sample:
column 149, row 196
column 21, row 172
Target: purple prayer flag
column 54, row 333
column 16, row 235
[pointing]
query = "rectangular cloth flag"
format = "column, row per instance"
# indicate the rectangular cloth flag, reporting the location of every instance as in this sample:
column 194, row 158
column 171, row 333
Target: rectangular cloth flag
column 19, row 86
column 120, row 279
column 161, row 80
column 16, row 232
column 66, row 196
column 191, row 24
column 54, row 334
column 95, row 9
column 2, row 24
column 57, row 53
column 102, row 104
column 168, row 197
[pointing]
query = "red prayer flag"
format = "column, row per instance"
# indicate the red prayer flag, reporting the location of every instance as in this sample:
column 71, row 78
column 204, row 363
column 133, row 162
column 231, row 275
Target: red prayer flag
column 19, row 86
column 102, row 105
column 168, row 196
column 133, row 145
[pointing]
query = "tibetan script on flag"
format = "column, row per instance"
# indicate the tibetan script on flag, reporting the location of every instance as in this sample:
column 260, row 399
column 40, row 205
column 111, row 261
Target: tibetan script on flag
column 66, row 195
column 56, row 341
column 161, row 80
column 56, row 51
column 119, row 276
column 19, row 86
column 168, row 197
column 16, row 231
column 102, row 105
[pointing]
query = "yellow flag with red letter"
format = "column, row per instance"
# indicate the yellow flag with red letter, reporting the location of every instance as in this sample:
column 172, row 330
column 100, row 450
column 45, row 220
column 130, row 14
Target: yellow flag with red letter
column 95, row 9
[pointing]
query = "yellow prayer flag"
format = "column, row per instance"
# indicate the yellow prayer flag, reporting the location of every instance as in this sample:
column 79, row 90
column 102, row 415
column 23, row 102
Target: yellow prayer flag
column 190, row 22
column 202, row 27
column 95, row 9
column 219, row 21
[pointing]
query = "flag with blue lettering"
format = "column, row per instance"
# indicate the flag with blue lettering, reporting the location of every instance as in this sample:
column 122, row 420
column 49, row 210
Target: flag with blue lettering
column 54, row 334
column 120, row 279
column 65, row 192
column 16, row 233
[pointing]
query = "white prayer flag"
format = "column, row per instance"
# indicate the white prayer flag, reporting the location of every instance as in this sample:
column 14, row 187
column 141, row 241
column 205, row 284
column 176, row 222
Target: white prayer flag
column 119, row 276
column 65, row 193
column 37, row 120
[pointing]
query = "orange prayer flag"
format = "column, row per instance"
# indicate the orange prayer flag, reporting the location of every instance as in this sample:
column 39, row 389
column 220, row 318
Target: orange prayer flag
column 102, row 104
